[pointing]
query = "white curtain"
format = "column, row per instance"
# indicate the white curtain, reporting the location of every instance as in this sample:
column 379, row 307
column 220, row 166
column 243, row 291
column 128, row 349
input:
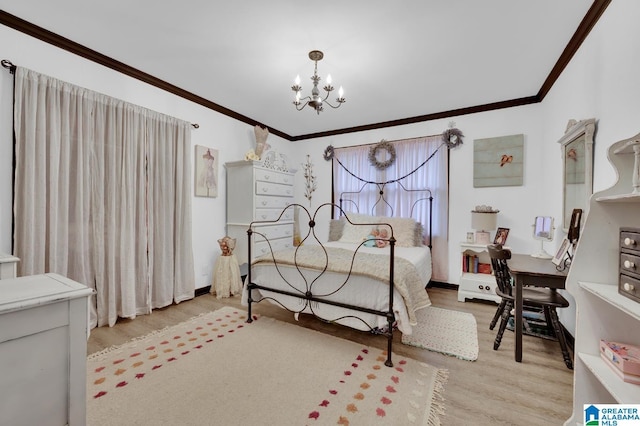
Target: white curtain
column 102, row 196
column 410, row 154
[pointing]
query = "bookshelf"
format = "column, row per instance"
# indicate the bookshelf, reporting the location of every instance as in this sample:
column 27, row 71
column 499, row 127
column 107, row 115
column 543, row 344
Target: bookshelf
column 474, row 285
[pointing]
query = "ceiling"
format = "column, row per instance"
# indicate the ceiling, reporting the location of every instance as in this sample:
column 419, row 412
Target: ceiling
column 398, row 61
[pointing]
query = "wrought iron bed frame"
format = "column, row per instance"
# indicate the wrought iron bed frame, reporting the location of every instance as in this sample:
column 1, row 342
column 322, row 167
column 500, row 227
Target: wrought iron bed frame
column 308, row 297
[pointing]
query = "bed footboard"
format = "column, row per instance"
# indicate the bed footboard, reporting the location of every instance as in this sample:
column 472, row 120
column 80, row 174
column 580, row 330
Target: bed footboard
column 305, row 271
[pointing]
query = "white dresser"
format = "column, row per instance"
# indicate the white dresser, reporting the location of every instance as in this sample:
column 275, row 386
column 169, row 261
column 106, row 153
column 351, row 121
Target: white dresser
column 43, row 350
column 258, row 193
column 8, row 266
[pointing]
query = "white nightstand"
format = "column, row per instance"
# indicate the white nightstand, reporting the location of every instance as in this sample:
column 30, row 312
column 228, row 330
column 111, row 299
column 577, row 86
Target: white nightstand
column 476, row 286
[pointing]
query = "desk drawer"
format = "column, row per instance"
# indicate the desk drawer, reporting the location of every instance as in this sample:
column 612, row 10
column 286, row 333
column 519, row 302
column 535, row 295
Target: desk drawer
column 630, row 264
column 630, row 239
column 629, row 287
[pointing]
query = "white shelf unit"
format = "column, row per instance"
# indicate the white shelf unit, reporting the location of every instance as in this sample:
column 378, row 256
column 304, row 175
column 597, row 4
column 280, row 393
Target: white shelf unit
column 476, row 286
column 601, row 312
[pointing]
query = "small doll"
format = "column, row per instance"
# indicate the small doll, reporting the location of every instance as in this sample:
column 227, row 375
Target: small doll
column 370, row 240
column 383, row 236
column 227, row 244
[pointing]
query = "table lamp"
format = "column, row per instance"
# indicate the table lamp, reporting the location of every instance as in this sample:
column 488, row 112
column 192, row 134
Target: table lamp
column 483, row 222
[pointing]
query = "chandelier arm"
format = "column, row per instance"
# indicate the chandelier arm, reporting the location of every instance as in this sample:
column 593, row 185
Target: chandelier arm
column 302, row 101
column 334, row 107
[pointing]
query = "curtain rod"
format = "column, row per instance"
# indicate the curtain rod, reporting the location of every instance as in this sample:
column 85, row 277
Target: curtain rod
column 12, row 69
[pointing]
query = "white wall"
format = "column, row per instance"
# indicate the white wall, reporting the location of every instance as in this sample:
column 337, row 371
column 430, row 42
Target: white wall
column 601, row 82
column 231, row 137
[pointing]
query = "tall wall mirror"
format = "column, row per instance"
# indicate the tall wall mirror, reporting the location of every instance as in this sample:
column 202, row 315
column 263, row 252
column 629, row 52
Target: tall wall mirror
column 577, row 168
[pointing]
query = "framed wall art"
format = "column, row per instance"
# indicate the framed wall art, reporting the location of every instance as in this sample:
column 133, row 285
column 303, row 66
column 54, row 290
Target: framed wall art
column 206, row 172
column 498, row 161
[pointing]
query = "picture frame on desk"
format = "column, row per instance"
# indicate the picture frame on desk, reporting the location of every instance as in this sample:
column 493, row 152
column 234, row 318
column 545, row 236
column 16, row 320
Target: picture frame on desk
column 562, row 252
column 501, row 236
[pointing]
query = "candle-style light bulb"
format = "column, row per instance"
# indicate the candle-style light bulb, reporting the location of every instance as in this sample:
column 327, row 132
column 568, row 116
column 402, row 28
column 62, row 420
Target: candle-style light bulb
column 340, row 92
column 328, row 79
column 297, row 80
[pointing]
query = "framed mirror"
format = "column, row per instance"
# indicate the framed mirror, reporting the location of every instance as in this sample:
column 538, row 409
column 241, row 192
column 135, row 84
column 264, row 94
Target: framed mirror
column 577, row 168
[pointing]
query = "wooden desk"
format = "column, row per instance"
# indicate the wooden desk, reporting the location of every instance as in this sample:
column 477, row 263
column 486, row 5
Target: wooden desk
column 531, row 271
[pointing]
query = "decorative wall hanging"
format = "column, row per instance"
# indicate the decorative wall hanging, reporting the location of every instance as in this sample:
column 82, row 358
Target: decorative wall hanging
column 329, row 152
column 310, row 179
column 452, row 136
column 377, row 149
column 206, row 172
column 498, row 161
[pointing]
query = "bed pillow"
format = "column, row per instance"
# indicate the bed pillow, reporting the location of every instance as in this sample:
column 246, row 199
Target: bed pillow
column 418, row 236
column 356, row 233
column 335, row 229
column 404, row 230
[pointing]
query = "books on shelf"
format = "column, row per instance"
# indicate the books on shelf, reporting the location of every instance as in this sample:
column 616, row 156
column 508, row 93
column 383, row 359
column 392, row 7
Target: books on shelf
column 623, row 358
column 471, row 263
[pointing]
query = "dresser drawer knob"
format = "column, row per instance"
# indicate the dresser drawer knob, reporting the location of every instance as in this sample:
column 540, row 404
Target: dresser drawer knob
column 629, row 264
column 629, row 242
column 264, row 203
column 480, row 287
column 628, row 287
column 486, row 287
column 265, row 190
column 264, row 216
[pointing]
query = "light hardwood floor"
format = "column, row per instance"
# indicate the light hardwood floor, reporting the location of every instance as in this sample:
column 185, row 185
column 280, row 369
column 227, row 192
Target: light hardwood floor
column 494, row 390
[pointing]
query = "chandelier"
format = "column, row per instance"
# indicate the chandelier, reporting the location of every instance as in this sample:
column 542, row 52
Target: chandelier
column 316, row 101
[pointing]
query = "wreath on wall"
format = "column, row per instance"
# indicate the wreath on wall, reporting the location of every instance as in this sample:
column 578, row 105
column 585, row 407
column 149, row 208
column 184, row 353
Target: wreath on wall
column 329, row 152
column 382, row 146
column 452, row 137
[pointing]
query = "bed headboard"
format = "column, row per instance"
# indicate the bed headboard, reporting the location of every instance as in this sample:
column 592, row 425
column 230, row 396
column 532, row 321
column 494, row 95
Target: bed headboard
column 348, row 202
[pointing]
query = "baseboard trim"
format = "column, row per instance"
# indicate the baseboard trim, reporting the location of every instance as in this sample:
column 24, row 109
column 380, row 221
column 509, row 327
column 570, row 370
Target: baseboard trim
column 202, row 290
column 440, row 284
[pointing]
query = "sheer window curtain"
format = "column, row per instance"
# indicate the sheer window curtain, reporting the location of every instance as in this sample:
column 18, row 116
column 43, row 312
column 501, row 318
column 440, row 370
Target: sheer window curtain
column 410, row 153
column 102, row 194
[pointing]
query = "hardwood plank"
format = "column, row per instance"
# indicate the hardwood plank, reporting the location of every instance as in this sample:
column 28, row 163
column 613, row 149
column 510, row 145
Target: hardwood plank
column 494, row 390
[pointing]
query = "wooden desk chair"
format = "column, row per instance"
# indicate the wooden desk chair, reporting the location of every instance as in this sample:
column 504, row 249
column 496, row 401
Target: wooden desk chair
column 534, row 297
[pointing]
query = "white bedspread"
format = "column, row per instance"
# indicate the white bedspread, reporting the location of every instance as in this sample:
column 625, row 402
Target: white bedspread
column 359, row 290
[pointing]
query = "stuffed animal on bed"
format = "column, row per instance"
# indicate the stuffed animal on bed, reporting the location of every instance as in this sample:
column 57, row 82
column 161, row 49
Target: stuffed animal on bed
column 370, row 240
column 383, row 236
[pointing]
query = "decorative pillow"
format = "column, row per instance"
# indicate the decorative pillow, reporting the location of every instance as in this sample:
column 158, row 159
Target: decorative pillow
column 403, row 230
column 335, row 229
column 418, row 236
column 353, row 233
